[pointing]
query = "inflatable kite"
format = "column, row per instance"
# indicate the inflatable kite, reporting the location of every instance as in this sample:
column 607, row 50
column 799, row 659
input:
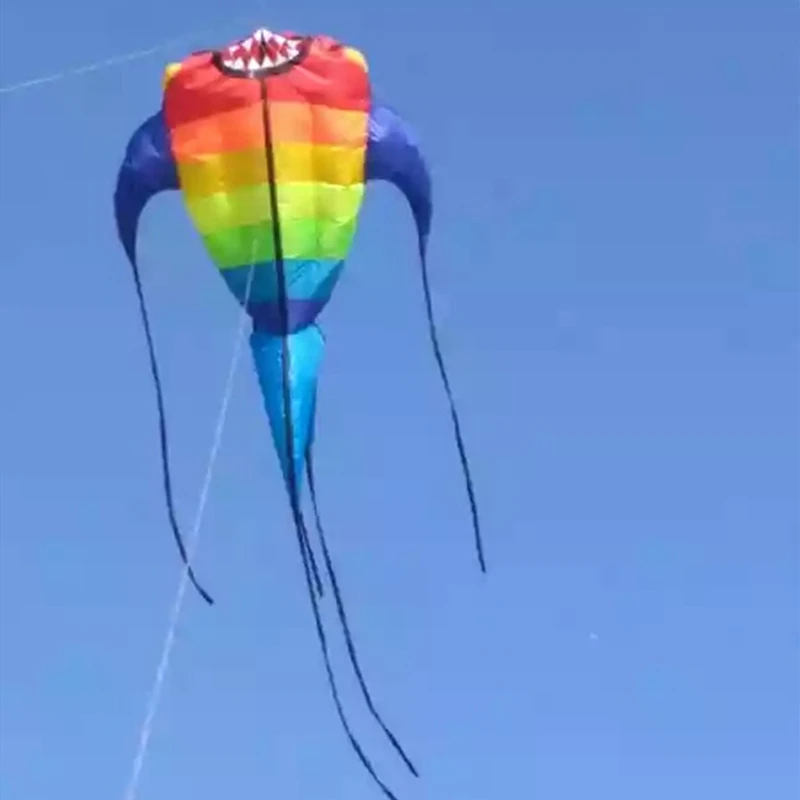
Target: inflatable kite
column 271, row 141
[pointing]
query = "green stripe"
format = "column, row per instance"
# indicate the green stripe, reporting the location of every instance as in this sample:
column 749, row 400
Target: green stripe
column 303, row 239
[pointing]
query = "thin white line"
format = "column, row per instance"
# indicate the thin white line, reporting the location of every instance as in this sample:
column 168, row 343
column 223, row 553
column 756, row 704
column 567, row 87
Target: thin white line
column 169, row 640
column 108, row 62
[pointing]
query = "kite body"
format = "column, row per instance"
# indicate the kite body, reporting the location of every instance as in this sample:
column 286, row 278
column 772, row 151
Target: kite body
column 271, row 142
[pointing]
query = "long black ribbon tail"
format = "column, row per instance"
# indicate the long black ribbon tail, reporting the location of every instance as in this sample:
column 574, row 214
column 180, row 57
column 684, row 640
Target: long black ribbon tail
column 342, row 614
column 462, row 452
column 164, row 443
column 302, row 538
column 312, row 562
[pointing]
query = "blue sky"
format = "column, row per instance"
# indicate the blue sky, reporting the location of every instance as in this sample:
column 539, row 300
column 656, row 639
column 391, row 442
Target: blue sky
column 615, row 267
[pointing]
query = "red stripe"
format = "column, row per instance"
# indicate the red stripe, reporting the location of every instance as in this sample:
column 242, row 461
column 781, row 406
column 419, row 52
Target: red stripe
column 325, row 77
column 199, row 91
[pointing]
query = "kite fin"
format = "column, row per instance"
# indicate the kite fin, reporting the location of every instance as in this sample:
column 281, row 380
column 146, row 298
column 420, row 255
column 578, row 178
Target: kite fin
column 394, row 155
column 147, row 170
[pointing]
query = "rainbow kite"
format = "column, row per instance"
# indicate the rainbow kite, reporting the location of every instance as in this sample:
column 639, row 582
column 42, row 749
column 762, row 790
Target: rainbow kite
column 272, row 140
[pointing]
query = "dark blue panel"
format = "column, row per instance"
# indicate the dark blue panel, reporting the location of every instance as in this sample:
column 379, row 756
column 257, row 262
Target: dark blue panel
column 148, row 168
column 393, row 155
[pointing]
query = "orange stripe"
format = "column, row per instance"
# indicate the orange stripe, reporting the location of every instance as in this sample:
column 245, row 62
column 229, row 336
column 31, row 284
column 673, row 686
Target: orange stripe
column 317, row 124
column 234, row 130
column 243, row 129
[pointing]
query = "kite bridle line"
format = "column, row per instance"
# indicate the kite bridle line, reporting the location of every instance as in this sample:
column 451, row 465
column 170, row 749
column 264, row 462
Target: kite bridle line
column 294, row 498
column 194, row 535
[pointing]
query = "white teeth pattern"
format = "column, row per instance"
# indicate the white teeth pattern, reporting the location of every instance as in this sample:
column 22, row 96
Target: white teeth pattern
column 291, row 49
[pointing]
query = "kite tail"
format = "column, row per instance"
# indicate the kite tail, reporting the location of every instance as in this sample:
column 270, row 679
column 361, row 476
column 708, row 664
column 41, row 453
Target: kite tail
column 302, row 537
column 287, row 368
column 462, row 451
column 344, row 622
column 394, row 155
column 163, row 440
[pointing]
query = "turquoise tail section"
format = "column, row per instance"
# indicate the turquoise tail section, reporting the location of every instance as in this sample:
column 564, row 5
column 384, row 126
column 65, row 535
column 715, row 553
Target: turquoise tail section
column 296, row 382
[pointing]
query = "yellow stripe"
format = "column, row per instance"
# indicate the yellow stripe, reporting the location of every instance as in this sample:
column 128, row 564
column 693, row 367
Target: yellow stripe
column 357, row 57
column 249, row 205
column 170, row 71
column 294, row 163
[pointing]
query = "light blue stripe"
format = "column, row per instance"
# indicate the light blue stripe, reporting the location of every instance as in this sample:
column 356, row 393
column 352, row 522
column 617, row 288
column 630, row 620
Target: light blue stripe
column 305, row 280
column 305, row 356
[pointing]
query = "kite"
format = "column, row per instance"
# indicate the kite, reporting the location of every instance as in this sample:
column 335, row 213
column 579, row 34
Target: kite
column 272, row 141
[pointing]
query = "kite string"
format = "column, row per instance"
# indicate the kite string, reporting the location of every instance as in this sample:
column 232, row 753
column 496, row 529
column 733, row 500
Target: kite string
column 93, row 67
column 194, row 535
column 112, row 61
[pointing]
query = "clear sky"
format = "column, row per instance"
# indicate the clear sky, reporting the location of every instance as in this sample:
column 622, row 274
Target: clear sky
column 615, row 265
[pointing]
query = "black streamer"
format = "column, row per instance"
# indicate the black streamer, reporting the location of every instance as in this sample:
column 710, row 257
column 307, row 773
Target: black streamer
column 164, row 443
column 343, row 620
